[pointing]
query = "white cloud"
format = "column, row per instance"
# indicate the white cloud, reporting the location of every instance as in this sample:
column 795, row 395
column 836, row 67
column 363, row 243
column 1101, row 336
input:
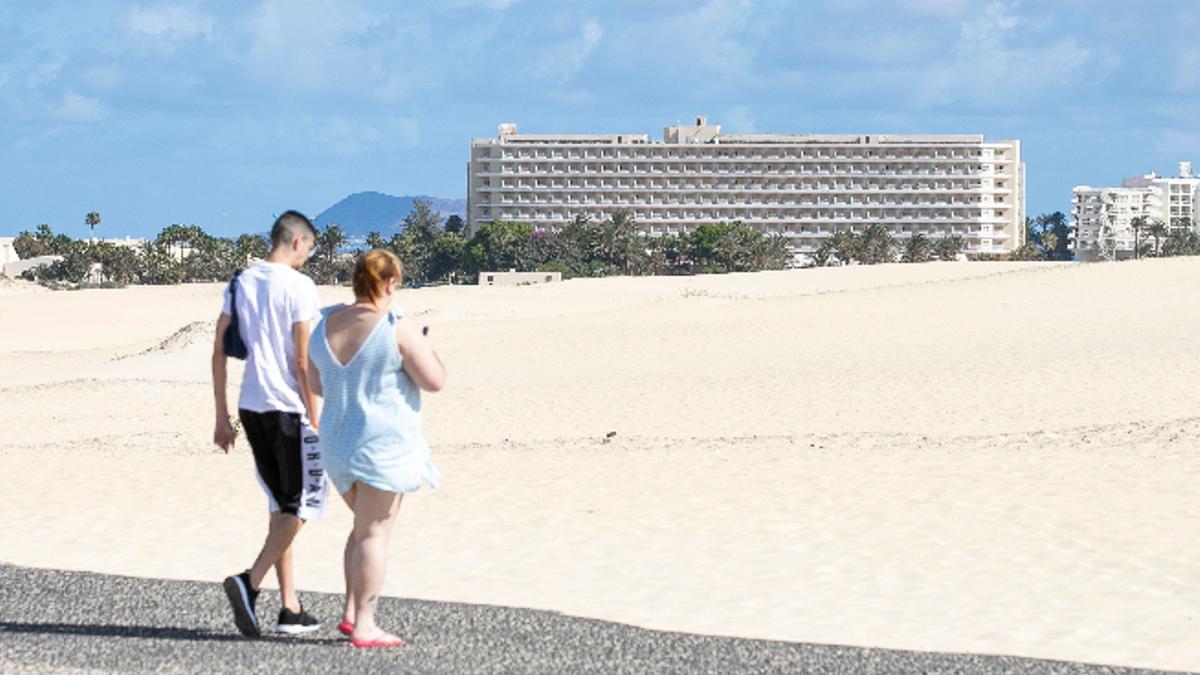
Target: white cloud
column 941, row 8
column 936, row 7
column 739, row 120
column 710, row 36
column 1185, row 78
column 699, row 50
column 564, row 59
column 170, row 22
column 999, row 56
column 325, row 47
column 407, row 131
column 1000, row 59
column 77, row 108
column 494, row 5
column 989, row 27
column 351, row 138
column 1178, row 143
column 846, row 5
column 103, row 77
column 43, row 74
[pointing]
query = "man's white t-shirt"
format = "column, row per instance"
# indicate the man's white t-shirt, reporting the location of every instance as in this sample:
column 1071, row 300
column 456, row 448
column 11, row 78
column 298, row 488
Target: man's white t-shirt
column 271, row 297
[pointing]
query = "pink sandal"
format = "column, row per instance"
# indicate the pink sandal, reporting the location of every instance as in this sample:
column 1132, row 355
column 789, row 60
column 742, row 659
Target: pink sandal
column 346, row 628
column 383, row 640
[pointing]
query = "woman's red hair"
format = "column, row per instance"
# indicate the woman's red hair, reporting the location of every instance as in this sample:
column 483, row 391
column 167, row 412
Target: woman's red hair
column 372, row 272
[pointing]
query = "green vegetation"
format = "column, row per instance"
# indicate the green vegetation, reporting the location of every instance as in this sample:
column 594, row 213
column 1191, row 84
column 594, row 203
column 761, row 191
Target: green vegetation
column 41, row 242
column 1047, row 237
column 434, row 253
column 875, row 245
column 1152, row 239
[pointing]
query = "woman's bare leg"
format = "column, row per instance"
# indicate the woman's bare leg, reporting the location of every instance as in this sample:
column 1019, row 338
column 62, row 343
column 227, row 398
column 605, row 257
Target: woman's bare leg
column 374, row 515
column 348, row 610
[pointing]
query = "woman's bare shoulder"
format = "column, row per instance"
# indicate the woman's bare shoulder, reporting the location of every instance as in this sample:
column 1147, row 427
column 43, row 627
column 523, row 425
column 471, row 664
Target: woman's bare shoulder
column 331, row 310
column 350, row 317
column 406, row 330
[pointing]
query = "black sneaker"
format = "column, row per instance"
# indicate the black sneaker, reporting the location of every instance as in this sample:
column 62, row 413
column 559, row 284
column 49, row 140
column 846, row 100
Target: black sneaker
column 296, row 623
column 242, row 599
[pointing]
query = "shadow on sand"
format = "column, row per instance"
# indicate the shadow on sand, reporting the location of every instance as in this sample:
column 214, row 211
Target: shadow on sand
column 142, row 632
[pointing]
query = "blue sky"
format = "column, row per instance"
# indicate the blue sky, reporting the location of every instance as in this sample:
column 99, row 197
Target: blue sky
column 221, row 113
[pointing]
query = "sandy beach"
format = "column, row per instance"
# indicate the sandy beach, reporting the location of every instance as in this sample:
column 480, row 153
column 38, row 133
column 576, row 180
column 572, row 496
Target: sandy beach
column 994, row 458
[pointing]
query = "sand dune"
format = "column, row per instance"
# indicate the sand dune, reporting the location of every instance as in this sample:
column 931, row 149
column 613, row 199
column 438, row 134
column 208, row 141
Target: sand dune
column 971, row 457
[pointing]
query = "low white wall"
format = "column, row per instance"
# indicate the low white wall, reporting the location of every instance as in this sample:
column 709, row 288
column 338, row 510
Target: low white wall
column 518, row 278
column 8, row 254
column 13, row 270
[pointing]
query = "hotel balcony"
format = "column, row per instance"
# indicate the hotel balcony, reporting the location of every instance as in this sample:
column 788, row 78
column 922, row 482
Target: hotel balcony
column 781, row 188
column 749, row 160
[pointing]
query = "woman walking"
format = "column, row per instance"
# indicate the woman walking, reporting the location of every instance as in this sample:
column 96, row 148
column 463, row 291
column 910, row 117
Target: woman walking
column 369, row 364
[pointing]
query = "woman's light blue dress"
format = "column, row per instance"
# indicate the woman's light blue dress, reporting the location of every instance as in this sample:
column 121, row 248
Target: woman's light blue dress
column 371, row 423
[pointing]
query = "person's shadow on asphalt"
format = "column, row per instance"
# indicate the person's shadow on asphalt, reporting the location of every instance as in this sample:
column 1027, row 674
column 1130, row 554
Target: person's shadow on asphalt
column 145, row 632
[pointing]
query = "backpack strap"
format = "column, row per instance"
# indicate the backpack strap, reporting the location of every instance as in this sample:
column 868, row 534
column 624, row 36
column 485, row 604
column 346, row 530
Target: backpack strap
column 233, row 287
column 232, row 341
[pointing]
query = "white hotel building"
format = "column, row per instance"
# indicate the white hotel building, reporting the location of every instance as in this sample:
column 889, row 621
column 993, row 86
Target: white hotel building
column 802, row 186
column 1104, row 216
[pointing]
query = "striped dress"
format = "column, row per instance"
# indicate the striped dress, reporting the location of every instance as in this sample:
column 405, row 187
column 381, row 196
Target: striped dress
column 371, row 422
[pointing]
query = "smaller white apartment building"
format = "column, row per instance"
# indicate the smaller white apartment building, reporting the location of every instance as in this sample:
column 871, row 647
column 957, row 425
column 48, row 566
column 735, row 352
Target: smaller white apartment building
column 1104, row 217
column 135, row 243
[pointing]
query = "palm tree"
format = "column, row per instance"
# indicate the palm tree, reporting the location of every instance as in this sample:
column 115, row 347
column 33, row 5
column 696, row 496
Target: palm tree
column 331, row 240
column 917, row 249
column 1137, row 224
column 212, row 258
column 877, row 245
column 618, row 240
column 1182, row 242
column 1049, row 244
column 949, row 246
column 119, row 264
column 1106, row 242
column 823, row 253
column 179, row 239
column 672, row 250
column 251, row 247
column 771, row 252
column 845, row 247
column 730, row 246
column 1157, row 230
column 375, row 240
column 454, row 225
column 92, row 219
column 1027, row 251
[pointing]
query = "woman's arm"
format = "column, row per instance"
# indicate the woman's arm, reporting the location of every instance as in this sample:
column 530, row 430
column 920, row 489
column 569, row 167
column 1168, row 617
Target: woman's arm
column 421, row 360
column 314, row 379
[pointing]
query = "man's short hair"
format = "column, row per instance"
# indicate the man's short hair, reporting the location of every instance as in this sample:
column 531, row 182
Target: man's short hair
column 290, row 225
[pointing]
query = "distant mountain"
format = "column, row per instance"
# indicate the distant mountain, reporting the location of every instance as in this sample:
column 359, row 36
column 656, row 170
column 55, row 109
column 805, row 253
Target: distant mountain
column 363, row 212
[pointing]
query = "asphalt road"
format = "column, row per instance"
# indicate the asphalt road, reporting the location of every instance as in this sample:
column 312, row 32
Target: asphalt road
column 57, row 621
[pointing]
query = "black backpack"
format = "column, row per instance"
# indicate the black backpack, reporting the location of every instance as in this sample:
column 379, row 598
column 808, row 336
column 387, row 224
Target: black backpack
column 232, row 341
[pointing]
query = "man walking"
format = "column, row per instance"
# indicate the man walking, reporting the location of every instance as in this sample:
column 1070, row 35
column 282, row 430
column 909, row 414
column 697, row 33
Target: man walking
column 273, row 305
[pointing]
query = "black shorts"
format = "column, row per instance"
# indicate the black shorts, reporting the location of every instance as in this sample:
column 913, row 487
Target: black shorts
column 275, row 440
